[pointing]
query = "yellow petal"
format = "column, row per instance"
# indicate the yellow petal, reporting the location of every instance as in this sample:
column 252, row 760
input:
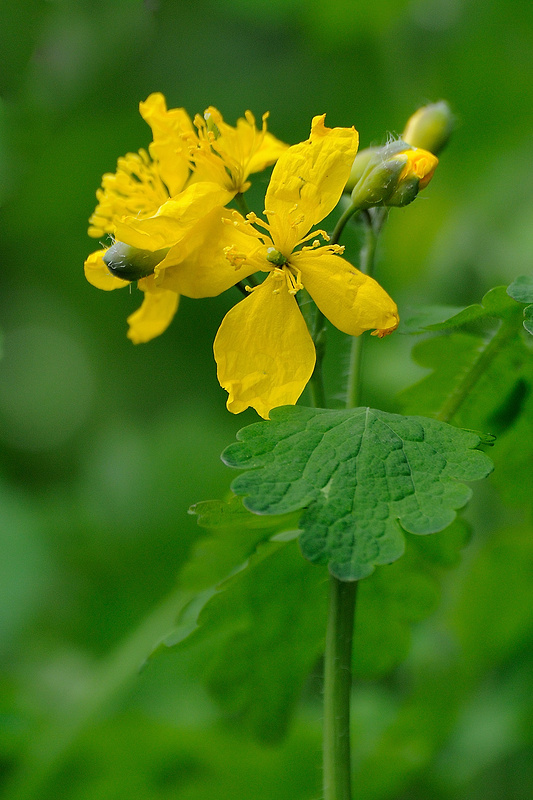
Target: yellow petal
column 266, row 154
column 307, row 182
column 98, row 274
column 174, row 219
column 155, row 314
column 351, row 300
column 264, row 353
column 234, row 152
column 199, row 267
column 171, row 131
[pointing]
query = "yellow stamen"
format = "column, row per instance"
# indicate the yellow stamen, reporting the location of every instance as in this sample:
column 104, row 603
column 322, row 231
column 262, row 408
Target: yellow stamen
column 235, row 258
column 385, row 332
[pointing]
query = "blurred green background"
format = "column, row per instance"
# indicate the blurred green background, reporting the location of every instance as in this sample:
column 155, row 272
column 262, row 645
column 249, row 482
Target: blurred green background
column 104, row 446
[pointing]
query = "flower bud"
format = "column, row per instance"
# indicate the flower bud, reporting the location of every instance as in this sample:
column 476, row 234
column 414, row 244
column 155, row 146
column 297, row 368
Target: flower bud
column 393, row 176
column 359, row 165
column 129, row 263
column 430, row 127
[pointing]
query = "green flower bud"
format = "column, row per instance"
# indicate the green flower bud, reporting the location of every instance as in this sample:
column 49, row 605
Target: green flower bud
column 393, row 176
column 430, row 127
column 129, row 263
column 359, row 165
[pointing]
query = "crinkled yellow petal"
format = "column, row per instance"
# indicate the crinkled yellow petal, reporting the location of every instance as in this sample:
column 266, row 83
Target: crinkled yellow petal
column 264, row 353
column 199, row 266
column 172, row 131
column 155, row 314
column 351, row 300
column 98, row 274
column 307, row 182
column 174, row 219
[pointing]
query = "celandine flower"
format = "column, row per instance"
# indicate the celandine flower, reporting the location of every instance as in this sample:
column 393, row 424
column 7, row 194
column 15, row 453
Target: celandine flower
column 263, row 349
column 164, row 209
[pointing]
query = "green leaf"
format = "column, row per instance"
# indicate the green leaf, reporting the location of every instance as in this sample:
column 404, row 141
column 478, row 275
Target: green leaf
column 357, row 474
column 479, row 367
column 496, row 303
column 422, row 318
column 528, row 319
column 399, row 595
column 234, row 536
column 513, row 457
column 522, row 290
column 256, row 638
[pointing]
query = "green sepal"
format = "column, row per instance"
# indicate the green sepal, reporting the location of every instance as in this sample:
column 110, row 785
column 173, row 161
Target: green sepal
column 131, row 264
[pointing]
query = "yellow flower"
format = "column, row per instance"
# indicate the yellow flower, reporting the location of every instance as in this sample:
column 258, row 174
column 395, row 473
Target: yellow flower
column 164, row 209
column 263, row 349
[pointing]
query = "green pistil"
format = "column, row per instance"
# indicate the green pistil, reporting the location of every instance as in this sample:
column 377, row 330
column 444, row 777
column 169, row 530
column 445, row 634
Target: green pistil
column 275, row 257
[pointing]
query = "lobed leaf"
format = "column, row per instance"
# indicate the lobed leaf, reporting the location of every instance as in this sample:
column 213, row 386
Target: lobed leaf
column 256, row 636
column 496, row 303
column 522, row 290
column 479, row 364
column 358, row 475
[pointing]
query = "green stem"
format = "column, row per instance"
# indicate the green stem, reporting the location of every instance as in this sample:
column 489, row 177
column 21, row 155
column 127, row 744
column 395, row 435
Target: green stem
column 337, row 688
column 241, row 204
column 341, row 224
column 372, row 227
column 460, row 392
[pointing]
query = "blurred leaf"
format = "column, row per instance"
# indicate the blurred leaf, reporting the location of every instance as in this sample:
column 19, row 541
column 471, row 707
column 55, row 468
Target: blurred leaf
column 479, row 374
column 357, row 473
column 493, row 615
column 495, row 303
column 528, row 319
column 522, row 290
column 134, row 756
column 514, row 454
column 235, row 533
column 424, row 317
column 257, row 637
column 398, row 595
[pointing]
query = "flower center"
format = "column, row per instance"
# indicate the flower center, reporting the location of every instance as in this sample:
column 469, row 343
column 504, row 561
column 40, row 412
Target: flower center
column 275, row 257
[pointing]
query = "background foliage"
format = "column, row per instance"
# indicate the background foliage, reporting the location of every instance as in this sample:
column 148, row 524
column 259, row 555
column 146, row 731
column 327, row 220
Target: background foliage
column 105, row 445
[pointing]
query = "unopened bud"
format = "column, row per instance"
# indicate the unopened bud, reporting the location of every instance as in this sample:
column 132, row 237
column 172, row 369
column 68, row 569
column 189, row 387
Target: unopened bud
column 393, row 176
column 430, row 127
column 359, row 165
column 416, row 175
column 129, row 263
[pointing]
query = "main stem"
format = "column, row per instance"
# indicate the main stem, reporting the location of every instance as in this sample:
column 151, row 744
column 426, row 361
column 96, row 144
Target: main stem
column 342, row 594
column 337, row 687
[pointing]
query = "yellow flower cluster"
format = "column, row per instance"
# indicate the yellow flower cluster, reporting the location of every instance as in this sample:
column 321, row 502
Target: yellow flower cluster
column 166, row 213
column 171, row 202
